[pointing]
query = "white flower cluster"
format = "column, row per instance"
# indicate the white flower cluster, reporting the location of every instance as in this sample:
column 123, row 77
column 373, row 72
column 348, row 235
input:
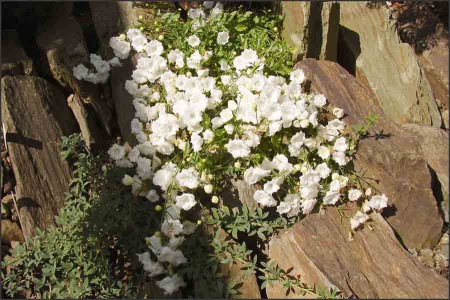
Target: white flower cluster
column 102, row 67
column 179, row 114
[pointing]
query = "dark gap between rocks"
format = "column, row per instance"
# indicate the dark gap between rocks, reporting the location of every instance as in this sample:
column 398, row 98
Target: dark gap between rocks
column 437, row 191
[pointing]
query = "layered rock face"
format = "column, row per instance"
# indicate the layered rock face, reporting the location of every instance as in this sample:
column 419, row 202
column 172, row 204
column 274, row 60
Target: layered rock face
column 36, row 115
column 389, row 66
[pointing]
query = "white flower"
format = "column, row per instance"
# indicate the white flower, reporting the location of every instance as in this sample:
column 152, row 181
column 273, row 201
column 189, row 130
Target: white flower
column 331, row 197
column 308, row 205
column 229, row 128
column 155, row 243
column 335, row 185
column 154, row 48
column 208, row 135
column 121, row 48
column 297, row 76
column 282, row 164
column 186, row 201
column 187, row 178
column 226, row 115
column 193, row 41
column 323, row 170
column 139, row 43
column 115, row 62
column 264, row 199
column 171, row 284
column 253, row 175
column 195, row 13
column 175, row 258
column 133, row 155
column 164, row 176
column 358, row 219
column 194, row 60
column 176, row 56
column 354, row 194
column 296, row 143
column 319, row 100
column 127, row 180
column 323, row 152
column 238, row 148
column 124, row 163
column 152, row 196
column 196, row 142
column 340, row 158
column 378, row 202
column 272, row 186
column 171, row 227
column 80, row 72
column 340, row 144
column 154, row 268
column 116, row 152
column 222, row 37
column 338, row 112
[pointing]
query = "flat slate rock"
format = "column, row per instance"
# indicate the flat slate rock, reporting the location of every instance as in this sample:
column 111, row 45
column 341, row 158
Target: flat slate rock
column 36, row 115
column 393, row 157
column 372, row 265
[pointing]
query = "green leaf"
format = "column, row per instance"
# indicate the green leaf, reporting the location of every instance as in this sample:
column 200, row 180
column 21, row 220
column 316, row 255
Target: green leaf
column 240, row 27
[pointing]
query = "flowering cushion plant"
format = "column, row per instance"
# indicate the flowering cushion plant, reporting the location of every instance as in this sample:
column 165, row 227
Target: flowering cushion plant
column 216, row 99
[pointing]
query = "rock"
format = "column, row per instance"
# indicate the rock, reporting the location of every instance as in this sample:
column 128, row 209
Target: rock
column 426, row 258
column 5, row 251
column 11, row 232
column 7, row 205
column 311, row 28
column 392, row 157
column 390, row 67
column 247, row 287
column 435, row 148
column 111, row 19
column 445, row 118
column 62, row 41
column 15, row 61
column 36, row 115
column 92, row 134
column 238, row 193
column 373, row 265
column 434, row 63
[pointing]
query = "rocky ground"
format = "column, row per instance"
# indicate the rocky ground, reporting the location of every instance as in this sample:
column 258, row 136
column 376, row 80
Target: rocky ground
column 364, row 58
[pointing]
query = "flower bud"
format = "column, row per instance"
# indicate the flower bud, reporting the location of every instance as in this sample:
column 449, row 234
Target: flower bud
column 368, row 192
column 158, row 208
column 297, row 167
column 188, row 74
column 237, row 165
column 122, row 36
column 199, row 222
column 275, row 29
column 215, row 199
column 208, row 188
column 210, row 176
column 141, row 17
column 161, row 37
column 157, row 234
column 127, row 180
column 141, row 28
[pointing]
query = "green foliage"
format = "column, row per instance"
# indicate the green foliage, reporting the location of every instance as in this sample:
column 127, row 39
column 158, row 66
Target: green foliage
column 257, row 30
column 251, row 222
column 363, row 129
column 68, row 260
